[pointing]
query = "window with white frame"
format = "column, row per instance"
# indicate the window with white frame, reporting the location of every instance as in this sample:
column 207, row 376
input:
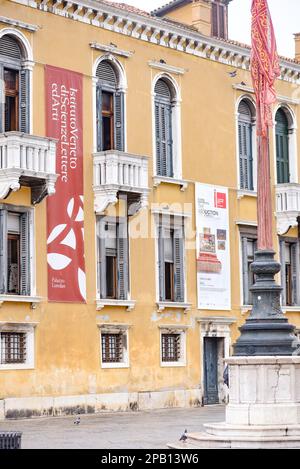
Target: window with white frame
column 290, row 271
column 173, row 347
column 15, row 255
column 16, row 346
column 14, row 80
column 110, row 108
column 246, row 118
column 167, row 129
column 113, row 260
column 248, row 248
column 171, row 259
column 282, row 147
column 114, row 347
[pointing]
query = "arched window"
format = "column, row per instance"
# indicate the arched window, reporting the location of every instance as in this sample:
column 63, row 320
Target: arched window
column 282, row 147
column 14, row 115
column 164, row 128
column 110, row 108
column 245, row 130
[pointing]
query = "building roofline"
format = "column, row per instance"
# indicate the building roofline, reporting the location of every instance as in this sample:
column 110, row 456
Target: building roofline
column 159, row 31
column 161, row 11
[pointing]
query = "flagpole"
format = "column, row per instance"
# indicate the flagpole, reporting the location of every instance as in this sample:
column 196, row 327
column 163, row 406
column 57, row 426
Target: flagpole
column 266, row 332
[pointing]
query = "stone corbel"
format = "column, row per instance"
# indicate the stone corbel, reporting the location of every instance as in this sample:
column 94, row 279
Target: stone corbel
column 9, row 183
column 137, row 204
column 103, row 199
column 39, row 192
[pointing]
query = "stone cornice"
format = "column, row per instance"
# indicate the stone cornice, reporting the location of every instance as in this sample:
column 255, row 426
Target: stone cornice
column 167, row 68
column 111, row 49
column 158, row 31
column 19, row 24
column 284, row 99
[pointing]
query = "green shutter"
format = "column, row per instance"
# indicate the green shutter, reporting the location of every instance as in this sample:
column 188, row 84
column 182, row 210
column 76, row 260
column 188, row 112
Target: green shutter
column 282, row 148
column 246, row 298
column 24, row 103
column 161, row 264
column 119, row 121
column 3, row 251
column 179, row 264
column 163, row 136
column 101, row 257
column 295, row 273
column 122, row 256
column 25, row 254
column 245, row 147
column 283, row 276
column 99, row 117
column 2, row 99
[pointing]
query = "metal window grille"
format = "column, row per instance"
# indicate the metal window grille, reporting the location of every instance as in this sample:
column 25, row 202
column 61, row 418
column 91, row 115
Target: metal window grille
column 171, row 347
column 13, row 347
column 112, row 348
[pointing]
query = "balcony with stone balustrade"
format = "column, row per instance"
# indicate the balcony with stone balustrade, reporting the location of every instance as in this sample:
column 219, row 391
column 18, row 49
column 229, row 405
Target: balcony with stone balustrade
column 118, row 172
column 287, row 206
column 27, row 160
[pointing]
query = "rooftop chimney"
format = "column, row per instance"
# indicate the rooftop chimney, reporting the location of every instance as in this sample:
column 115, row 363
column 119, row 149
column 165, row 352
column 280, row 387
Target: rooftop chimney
column 297, row 46
column 210, row 17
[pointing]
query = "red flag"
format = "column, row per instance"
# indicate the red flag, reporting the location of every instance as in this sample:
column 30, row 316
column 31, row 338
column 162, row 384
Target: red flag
column 264, row 63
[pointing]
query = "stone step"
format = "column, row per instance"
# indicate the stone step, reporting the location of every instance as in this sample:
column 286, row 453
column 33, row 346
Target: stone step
column 273, row 431
column 206, row 441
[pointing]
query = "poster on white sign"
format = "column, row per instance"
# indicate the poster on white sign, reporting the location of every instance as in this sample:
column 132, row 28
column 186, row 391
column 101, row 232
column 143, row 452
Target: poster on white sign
column 213, row 248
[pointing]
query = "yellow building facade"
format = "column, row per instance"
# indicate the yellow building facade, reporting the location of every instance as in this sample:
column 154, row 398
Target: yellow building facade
column 187, row 121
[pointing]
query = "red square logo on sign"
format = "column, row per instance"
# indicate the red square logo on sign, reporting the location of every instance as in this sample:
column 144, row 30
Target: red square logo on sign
column 220, row 200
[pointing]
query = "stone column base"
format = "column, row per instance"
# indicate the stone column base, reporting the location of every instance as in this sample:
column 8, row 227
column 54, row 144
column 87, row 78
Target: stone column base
column 263, row 410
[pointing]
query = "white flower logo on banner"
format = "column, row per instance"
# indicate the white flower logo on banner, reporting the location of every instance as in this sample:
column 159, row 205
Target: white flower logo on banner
column 70, row 235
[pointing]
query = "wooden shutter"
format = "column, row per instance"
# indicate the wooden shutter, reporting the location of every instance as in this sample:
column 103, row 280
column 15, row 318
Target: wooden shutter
column 3, row 251
column 245, row 146
column 24, row 102
column 179, row 264
column 246, row 299
column 2, row 99
column 283, row 277
column 122, row 257
column 163, row 129
column 25, row 254
column 214, row 22
column 9, row 47
column 161, row 263
column 99, row 116
column 295, row 272
column 101, row 258
column 119, row 120
column 282, row 148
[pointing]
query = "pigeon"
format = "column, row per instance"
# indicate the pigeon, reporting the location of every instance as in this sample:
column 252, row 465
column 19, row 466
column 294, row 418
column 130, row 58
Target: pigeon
column 77, row 421
column 113, row 45
column 232, row 74
column 243, row 83
column 184, row 437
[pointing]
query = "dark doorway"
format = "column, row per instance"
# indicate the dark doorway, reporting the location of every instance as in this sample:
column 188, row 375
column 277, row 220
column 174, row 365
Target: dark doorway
column 211, row 393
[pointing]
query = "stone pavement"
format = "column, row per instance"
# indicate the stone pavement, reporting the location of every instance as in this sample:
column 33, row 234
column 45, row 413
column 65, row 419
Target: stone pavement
column 144, row 430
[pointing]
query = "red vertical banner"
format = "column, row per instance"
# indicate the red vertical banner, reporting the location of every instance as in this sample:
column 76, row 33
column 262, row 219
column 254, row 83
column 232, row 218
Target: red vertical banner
column 65, row 214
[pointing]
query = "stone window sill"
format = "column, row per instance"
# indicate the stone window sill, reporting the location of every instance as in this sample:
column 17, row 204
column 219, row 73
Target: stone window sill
column 128, row 304
column 162, row 305
column 243, row 193
column 157, row 180
column 34, row 300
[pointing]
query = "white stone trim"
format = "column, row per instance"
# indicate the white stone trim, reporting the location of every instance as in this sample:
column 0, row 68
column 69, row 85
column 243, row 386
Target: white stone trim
column 157, row 180
column 111, row 49
column 164, row 67
column 128, row 304
column 99, row 403
column 19, row 24
column 28, row 329
column 242, row 192
column 34, row 300
column 166, row 34
column 215, row 327
column 176, row 124
column 163, row 305
column 182, row 332
column 107, row 329
column 283, row 99
column 22, row 39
